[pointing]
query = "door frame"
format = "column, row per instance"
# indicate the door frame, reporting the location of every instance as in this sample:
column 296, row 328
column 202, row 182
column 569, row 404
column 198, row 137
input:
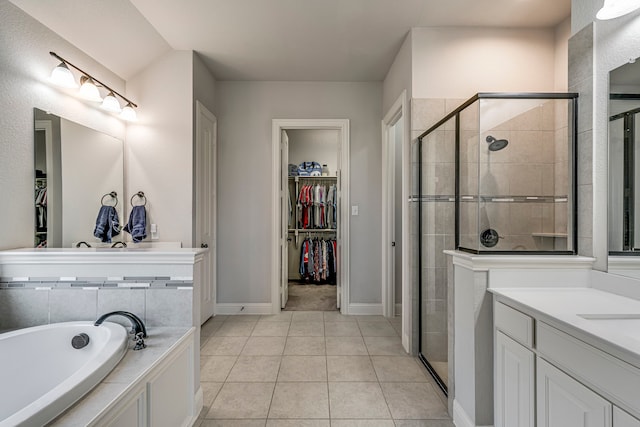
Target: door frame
column 210, row 267
column 278, row 125
column 398, row 111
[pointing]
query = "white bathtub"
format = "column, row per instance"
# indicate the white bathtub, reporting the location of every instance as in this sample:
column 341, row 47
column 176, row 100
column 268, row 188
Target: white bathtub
column 41, row 374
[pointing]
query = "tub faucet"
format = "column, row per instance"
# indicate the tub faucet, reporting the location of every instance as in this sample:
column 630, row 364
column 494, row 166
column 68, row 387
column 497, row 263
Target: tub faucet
column 137, row 326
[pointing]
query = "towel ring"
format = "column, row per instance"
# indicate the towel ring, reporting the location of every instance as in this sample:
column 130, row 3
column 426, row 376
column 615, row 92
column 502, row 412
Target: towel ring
column 113, row 195
column 141, row 195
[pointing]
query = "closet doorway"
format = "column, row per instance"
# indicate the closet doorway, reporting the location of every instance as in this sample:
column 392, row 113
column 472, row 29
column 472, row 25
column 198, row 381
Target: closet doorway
column 310, row 224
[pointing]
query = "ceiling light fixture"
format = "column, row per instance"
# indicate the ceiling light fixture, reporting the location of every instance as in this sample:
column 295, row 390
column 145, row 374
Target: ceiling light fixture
column 62, row 76
column 617, row 8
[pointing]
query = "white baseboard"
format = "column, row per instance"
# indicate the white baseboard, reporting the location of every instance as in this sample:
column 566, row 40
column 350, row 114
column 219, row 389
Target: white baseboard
column 249, row 308
column 365, row 309
column 461, row 418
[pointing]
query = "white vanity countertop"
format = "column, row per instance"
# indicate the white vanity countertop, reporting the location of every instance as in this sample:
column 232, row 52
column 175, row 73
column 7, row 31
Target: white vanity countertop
column 134, row 365
column 612, row 323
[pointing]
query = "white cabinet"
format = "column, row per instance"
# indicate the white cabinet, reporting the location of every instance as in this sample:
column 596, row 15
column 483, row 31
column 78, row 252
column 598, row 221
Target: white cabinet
column 546, row 377
column 514, row 388
column 564, row 402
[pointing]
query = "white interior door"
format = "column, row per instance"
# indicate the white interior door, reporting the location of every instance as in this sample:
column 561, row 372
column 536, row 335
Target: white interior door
column 205, row 236
column 284, row 223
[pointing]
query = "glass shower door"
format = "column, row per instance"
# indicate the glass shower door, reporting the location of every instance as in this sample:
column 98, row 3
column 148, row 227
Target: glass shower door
column 436, row 231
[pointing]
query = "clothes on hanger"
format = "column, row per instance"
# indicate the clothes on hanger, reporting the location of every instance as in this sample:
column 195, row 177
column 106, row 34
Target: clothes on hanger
column 41, row 208
column 318, row 261
column 314, row 208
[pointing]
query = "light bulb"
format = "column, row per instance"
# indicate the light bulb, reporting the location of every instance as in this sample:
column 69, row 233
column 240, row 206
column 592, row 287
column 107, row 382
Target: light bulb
column 616, row 8
column 110, row 103
column 61, row 76
column 89, row 90
column 128, row 113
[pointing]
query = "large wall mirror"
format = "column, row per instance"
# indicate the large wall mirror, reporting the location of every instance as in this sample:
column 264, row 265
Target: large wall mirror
column 77, row 170
column 624, row 170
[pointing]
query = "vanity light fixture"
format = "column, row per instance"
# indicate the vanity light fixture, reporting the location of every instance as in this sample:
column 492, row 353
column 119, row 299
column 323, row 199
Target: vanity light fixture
column 89, row 90
column 62, row 76
column 616, row 8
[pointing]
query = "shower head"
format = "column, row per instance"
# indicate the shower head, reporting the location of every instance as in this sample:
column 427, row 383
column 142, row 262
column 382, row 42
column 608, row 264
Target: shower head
column 496, row 144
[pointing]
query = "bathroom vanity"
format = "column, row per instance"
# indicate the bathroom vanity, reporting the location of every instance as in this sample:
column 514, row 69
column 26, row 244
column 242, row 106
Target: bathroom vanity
column 566, row 356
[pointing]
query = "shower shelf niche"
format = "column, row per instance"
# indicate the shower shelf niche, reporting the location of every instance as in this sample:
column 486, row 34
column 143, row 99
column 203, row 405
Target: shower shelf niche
column 507, row 161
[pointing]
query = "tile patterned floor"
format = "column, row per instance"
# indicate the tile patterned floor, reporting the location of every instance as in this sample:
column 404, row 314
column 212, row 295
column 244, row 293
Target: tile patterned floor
column 313, row 369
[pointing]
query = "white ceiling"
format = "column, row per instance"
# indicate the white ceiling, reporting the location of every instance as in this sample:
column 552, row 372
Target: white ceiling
column 323, row 40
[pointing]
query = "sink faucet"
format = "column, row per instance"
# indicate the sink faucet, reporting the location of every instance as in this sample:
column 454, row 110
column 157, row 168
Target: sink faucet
column 137, row 326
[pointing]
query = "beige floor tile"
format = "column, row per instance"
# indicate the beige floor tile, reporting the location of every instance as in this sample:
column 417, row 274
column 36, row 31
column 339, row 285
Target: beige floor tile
column 271, row 329
column 384, row 346
column 416, row 401
column 210, row 391
column 255, row 369
column 357, row 400
column 345, row 346
column 306, row 329
column 336, row 316
column 235, row 329
column 303, row 368
column 362, row 423
column 377, row 329
column 305, row 346
column 373, row 318
column 216, row 368
column 233, row 423
column 242, row 400
column 300, row 400
column 253, row 318
column 283, row 316
column 307, row 316
column 223, row 346
column 350, row 368
column 424, row 423
column 398, row 369
column 264, row 346
column 341, row 329
column 298, row 423
column 210, row 327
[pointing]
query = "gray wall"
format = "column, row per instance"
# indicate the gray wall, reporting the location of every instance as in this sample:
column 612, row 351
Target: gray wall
column 25, row 66
column 245, row 111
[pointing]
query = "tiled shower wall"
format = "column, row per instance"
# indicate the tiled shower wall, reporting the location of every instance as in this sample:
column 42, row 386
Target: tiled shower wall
column 158, row 301
column 533, row 164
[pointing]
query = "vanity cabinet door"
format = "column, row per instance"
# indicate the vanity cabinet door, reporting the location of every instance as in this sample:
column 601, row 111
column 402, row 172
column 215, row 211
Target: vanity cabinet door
column 622, row 419
column 514, row 404
column 564, row 402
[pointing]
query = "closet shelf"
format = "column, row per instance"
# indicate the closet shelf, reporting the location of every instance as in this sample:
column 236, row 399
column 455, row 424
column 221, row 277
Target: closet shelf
column 313, row 178
column 551, row 235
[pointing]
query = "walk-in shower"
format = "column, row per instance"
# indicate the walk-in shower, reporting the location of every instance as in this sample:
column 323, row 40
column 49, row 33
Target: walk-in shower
column 494, row 176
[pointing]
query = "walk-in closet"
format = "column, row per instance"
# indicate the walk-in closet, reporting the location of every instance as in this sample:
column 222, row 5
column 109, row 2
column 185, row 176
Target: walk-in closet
column 312, row 219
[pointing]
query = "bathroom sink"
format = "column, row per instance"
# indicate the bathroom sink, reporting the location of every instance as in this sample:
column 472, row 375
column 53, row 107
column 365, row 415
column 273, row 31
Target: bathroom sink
column 624, row 323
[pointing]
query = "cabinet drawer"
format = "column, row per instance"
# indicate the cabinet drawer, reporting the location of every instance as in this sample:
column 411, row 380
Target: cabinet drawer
column 513, row 323
column 611, row 377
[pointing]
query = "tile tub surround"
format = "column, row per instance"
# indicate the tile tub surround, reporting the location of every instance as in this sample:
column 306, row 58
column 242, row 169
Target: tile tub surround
column 313, row 369
column 25, row 303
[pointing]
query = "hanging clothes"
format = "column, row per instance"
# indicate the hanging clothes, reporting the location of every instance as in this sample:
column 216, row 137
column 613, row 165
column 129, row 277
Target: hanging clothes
column 318, row 262
column 316, row 207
